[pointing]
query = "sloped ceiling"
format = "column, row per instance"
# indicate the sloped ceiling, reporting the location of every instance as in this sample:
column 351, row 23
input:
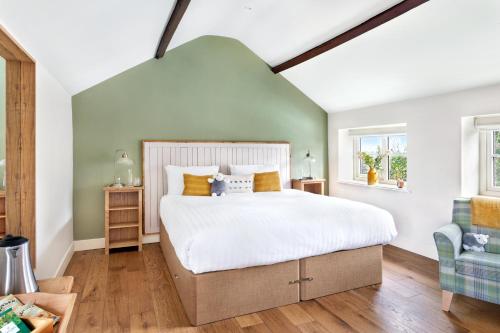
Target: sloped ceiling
column 441, row 46
column 83, row 42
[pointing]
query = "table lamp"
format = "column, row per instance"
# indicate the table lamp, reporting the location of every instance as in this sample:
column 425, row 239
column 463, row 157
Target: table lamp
column 123, row 167
column 309, row 160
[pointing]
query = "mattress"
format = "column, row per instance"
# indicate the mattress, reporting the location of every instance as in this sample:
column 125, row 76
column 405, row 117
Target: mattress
column 244, row 230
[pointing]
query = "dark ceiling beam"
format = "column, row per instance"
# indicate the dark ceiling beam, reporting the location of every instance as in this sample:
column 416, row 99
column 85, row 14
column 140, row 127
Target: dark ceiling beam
column 173, row 22
column 378, row 20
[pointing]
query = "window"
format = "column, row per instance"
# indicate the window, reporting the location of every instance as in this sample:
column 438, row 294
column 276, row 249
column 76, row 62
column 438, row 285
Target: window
column 394, row 165
column 490, row 162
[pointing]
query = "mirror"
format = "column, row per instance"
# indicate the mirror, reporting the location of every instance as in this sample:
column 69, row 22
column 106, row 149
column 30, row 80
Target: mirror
column 3, row 105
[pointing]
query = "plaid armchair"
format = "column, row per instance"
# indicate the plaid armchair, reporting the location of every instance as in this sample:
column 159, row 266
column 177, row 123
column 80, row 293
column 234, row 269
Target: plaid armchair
column 473, row 274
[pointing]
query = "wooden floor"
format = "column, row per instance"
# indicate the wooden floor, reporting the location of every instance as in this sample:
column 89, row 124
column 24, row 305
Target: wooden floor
column 133, row 292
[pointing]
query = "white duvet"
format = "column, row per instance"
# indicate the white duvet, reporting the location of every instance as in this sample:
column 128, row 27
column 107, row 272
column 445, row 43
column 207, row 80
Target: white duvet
column 244, row 230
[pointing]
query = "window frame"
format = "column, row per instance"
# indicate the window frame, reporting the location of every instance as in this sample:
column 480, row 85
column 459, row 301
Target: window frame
column 486, row 161
column 384, row 176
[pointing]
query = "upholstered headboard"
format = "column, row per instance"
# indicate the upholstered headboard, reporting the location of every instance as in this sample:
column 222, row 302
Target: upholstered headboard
column 158, row 154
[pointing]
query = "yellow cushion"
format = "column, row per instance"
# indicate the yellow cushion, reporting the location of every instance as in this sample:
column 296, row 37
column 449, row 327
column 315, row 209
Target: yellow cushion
column 485, row 211
column 196, row 185
column 267, row 182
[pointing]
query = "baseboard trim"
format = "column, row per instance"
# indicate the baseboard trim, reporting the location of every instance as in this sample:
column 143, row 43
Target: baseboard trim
column 89, row 244
column 66, row 259
column 98, row 243
column 150, row 238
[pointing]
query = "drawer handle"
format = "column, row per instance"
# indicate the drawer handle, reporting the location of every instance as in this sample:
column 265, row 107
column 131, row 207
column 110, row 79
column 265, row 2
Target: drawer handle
column 307, row 279
column 176, row 276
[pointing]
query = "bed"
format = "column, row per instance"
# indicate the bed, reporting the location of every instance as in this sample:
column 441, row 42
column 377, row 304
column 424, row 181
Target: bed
column 244, row 253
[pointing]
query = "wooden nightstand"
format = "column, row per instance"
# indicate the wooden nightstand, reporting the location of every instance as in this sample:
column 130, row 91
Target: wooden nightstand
column 316, row 186
column 122, row 217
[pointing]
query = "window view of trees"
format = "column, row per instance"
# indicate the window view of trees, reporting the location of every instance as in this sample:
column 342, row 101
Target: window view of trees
column 395, row 166
column 369, row 144
column 397, row 157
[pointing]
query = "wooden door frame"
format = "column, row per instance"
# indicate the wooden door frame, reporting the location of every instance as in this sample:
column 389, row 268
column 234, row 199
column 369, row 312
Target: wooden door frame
column 20, row 140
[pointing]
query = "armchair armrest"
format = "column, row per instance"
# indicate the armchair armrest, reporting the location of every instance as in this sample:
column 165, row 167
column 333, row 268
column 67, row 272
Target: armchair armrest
column 449, row 241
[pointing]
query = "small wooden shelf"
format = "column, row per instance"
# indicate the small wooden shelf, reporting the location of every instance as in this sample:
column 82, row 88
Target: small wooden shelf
column 122, row 217
column 123, row 243
column 123, row 208
column 123, row 225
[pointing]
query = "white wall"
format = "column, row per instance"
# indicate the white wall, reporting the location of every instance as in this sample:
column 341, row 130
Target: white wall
column 54, row 175
column 434, row 129
column 54, row 165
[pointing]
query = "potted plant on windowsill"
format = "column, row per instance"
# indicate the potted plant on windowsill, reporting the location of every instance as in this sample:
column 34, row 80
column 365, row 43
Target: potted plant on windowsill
column 398, row 170
column 374, row 163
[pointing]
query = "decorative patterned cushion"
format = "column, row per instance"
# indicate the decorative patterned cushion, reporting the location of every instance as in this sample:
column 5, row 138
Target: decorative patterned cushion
column 196, row 185
column 482, row 265
column 463, row 217
column 267, row 182
column 239, row 184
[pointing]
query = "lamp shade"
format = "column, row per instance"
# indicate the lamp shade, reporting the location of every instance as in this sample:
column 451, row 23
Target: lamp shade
column 123, row 169
column 309, row 157
column 309, row 160
column 124, row 160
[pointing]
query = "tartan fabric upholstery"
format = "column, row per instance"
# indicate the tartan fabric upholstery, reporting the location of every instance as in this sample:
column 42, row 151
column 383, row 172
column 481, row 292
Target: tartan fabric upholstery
column 482, row 265
column 449, row 242
column 473, row 274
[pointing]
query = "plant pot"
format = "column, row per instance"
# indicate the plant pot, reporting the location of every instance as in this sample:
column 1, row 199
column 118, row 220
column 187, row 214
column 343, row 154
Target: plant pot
column 400, row 183
column 372, row 176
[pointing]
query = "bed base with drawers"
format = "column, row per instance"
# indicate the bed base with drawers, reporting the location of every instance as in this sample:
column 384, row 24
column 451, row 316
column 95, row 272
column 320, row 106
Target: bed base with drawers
column 214, row 296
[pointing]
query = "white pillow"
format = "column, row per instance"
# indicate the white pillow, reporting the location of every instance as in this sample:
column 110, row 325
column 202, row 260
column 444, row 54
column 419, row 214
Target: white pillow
column 239, row 184
column 175, row 176
column 241, row 170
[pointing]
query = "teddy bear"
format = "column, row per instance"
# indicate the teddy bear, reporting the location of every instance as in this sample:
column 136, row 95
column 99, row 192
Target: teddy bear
column 218, row 187
column 474, row 242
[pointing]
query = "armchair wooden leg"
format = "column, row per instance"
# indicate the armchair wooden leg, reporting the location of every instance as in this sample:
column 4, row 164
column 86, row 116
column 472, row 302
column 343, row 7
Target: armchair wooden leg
column 446, row 300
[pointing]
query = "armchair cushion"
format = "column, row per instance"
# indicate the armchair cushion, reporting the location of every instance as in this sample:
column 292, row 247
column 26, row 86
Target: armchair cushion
column 482, row 265
column 463, row 217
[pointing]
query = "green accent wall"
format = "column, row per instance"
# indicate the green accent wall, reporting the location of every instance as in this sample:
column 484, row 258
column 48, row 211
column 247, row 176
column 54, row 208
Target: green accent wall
column 211, row 88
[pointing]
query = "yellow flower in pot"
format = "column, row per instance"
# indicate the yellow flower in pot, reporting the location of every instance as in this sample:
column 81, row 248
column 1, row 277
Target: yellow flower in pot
column 374, row 163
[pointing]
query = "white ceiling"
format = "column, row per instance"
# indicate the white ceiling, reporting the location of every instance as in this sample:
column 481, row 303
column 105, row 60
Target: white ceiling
column 275, row 30
column 83, row 42
column 441, row 46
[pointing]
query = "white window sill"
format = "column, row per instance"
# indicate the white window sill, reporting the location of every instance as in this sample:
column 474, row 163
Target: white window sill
column 490, row 193
column 385, row 187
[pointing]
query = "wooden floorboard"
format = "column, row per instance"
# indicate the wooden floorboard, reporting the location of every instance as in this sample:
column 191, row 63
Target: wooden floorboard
column 133, row 292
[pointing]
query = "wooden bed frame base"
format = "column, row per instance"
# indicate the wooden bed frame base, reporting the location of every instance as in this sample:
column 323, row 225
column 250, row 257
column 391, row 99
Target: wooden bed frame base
column 214, row 296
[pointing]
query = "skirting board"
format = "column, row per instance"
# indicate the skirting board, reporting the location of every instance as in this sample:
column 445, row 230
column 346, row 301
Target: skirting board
column 98, row 243
column 66, row 259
